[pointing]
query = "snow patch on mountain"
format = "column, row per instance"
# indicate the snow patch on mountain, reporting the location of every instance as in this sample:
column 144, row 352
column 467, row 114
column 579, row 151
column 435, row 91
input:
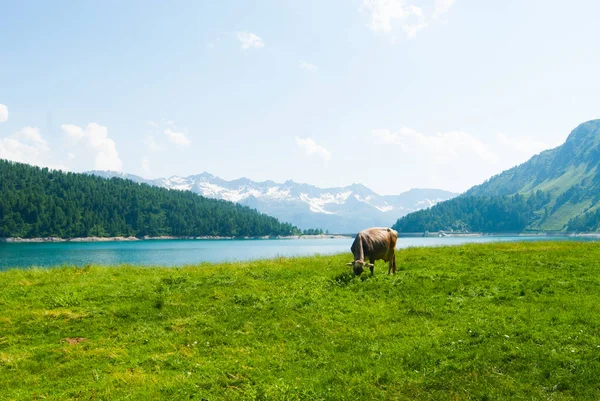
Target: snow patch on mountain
column 179, row 183
column 316, row 205
column 339, row 210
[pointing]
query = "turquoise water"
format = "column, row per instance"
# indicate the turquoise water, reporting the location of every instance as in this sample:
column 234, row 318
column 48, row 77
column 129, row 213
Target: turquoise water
column 183, row 252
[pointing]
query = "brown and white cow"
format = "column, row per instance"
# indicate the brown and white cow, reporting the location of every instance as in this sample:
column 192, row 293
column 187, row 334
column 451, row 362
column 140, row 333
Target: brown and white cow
column 374, row 244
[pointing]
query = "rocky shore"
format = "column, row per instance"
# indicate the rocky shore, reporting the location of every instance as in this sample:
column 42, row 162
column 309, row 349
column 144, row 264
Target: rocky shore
column 164, row 237
column 58, row 239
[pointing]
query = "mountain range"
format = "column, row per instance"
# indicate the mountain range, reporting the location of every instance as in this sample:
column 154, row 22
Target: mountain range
column 337, row 210
column 556, row 190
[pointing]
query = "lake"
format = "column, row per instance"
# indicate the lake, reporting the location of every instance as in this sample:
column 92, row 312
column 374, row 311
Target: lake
column 184, row 252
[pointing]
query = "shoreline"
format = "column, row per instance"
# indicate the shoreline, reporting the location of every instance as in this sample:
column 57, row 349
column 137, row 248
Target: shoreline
column 164, row 237
column 294, row 237
column 523, row 234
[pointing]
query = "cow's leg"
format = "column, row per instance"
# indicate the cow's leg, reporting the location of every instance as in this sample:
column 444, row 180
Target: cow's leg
column 372, row 267
column 392, row 263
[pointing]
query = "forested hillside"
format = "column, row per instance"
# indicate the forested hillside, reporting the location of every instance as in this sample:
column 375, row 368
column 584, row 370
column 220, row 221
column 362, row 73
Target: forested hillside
column 38, row 202
column 481, row 214
column 559, row 189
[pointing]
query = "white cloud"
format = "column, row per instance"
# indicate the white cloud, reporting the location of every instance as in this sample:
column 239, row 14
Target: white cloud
column 523, row 145
column 441, row 7
column 385, row 14
column 95, row 138
column 178, row 138
column 163, row 132
column 25, row 146
column 309, row 67
column 31, row 135
column 151, row 144
column 310, row 147
column 454, row 160
column 443, row 148
column 3, row 113
column 146, row 167
column 73, row 131
column 249, row 39
column 412, row 29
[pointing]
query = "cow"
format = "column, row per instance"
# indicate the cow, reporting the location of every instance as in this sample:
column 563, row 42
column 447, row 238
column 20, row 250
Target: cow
column 374, row 244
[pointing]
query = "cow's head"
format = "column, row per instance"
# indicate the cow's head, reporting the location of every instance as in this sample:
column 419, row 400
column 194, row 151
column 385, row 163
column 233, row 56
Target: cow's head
column 359, row 266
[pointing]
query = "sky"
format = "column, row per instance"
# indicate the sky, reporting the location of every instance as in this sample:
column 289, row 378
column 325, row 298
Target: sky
column 392, row 94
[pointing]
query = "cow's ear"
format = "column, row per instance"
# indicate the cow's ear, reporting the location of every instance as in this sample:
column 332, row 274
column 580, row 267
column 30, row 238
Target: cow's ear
column 350, row 264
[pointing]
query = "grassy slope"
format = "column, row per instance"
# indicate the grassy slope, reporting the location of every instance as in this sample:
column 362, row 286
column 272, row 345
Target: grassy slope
column 558, row 220
column 498, row 321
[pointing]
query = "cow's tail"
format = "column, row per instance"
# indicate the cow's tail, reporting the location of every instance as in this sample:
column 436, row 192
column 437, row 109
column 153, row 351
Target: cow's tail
column 394, row 238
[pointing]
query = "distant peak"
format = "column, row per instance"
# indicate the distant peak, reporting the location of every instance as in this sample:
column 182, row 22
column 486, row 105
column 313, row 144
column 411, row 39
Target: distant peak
column 360, row 189
column 204, row 175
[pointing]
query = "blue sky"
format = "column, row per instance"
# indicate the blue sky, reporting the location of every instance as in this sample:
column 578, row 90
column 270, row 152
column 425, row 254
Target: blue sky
column 393, row 94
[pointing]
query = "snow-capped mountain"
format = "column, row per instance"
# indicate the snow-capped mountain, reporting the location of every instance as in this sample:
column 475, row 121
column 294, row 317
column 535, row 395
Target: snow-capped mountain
column 339, row 210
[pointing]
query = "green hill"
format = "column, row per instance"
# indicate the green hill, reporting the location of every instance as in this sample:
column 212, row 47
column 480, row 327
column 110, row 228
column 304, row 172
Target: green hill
column 564, row 182
column 38, row 202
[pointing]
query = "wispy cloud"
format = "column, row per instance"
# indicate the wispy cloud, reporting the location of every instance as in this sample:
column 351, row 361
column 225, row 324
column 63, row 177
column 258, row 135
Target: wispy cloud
column 145, row 164
column 3, row 113
column 456, row 156
column 523, row 145
column 309, row 67
column 441, row 7
column 442, row 147
column 151, row 144
column 385, row 12
column 163, row 132
column 178, row 138
column 385, row 15
column 411, row 30
column 214, row 43
column 249, row 40
column 453, row 159
column 311, row 148
column 31, row 135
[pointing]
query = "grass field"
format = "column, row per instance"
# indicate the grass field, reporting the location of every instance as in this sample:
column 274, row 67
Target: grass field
column 506, row 321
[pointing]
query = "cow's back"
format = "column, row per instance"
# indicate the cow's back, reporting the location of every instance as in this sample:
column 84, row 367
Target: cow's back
column 378, row 241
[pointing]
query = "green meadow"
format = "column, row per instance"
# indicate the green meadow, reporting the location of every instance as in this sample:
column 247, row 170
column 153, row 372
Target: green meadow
column 503, row 321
